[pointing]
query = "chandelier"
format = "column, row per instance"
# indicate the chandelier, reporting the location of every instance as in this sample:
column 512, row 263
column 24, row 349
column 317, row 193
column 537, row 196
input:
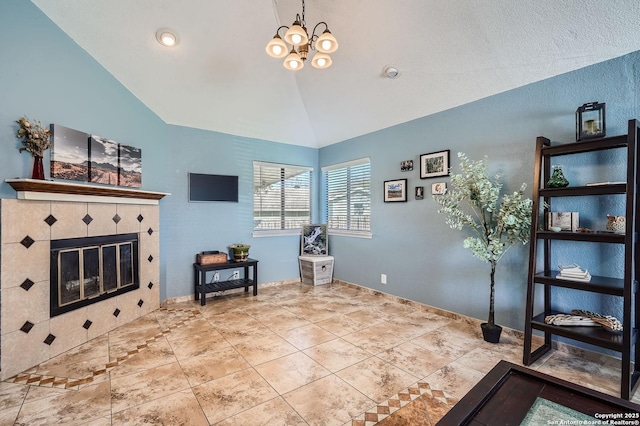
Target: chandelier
column 298, row 38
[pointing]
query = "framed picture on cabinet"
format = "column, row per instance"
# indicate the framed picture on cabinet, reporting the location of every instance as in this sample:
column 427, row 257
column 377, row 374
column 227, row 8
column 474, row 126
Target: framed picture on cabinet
column 434, row 164
column 314, row 240
column 395, row 191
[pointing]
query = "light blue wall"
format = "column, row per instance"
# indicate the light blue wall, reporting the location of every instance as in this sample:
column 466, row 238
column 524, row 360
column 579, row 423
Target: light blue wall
column 45, row 75
column 422, row 257
column 195, row 227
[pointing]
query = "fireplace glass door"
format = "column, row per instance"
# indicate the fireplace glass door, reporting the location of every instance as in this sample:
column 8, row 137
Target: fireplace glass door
column 86, row 272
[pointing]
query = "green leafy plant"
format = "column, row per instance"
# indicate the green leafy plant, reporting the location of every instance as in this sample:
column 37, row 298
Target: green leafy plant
column 36, row 138
column 496, row 224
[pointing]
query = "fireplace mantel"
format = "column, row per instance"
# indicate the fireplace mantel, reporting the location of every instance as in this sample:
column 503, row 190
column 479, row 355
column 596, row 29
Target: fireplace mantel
column 46, row 190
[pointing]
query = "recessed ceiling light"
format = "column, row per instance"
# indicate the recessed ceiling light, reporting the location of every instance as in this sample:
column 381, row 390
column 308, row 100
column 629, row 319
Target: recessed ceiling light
column 391, row 72
column 166, row 37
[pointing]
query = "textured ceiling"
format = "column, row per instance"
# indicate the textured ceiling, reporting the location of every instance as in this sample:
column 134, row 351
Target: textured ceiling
column 449, row 53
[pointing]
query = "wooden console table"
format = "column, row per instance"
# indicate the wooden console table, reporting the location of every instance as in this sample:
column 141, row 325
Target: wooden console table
column 202, row 287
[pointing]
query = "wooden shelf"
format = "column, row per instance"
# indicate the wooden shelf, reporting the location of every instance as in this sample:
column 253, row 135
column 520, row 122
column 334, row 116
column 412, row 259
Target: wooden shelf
column 593, row 335
column 46, row 190
column 594, row 237
column 598, row 284
column 574, row 191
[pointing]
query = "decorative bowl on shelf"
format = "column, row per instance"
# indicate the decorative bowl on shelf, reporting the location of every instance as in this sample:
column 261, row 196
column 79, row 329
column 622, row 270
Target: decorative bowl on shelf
column 240, row 252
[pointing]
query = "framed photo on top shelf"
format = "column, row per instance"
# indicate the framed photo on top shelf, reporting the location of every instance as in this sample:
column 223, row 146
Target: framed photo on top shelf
column 434, row 164
column 590, row 121
column 395, row 191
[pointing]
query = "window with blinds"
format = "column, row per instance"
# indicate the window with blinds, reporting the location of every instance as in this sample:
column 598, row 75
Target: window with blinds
column 281, row 196
column 348, row 196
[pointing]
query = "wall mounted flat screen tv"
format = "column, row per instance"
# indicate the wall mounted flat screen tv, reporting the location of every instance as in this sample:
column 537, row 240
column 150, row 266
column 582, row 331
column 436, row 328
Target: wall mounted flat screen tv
column 204, row 187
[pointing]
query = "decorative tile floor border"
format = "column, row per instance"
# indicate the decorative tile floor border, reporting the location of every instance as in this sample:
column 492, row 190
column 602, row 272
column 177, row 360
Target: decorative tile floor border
column 31, row 378
column 402, row 399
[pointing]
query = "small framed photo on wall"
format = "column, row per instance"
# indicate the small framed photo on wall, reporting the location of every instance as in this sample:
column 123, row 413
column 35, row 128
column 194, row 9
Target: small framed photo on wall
column 406, row 165
column 438, row 188
column 419, row 192
column 395, row 190
column 434, row 164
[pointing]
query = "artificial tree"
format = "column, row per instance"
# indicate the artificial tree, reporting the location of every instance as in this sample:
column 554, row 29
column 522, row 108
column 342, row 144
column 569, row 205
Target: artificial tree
column 474, row 203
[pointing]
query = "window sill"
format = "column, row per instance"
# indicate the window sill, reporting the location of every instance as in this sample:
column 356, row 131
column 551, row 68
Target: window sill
column 277, row 233
column 353, row 234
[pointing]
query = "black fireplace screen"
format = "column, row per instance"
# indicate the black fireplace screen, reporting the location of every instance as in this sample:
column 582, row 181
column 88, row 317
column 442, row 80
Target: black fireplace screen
column 87, row 270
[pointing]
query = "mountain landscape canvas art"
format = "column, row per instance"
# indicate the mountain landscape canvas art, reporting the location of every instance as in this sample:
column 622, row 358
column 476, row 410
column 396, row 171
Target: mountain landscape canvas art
column 103, row 166
column 69, row 154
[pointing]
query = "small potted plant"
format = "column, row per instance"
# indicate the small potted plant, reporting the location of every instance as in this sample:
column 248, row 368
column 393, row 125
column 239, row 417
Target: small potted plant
column 36, row 141
column 240, row 251
column 473, row 204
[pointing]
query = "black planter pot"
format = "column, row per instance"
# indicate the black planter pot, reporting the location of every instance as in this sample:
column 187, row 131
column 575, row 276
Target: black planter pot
column 491, row 333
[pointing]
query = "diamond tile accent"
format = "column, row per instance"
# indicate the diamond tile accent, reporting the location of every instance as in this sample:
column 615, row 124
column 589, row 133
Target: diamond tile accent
column 150, row 231
column 140, row 218
column 87, row 219
column 116, row 312
column 49, row 340
column 116, row 218
column 87, row 324
column 140, row 303
column 150, row 258
column 27, row 241
column 27, row 284
column 150, row 285
column 50, row 220
column 26, row 327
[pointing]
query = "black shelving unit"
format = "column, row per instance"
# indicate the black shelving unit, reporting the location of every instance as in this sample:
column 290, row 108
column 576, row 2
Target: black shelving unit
column 543, row 276
column 201, row 286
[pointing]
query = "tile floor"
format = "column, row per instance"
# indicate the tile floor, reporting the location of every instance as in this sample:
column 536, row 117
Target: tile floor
column 294, row 355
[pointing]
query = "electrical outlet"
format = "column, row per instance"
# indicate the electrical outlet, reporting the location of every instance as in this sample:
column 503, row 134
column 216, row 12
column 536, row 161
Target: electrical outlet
column 216, row 277
column 383, row 278
column 236, row 275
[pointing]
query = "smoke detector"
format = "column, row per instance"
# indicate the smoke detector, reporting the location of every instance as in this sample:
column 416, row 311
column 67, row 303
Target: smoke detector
column 391, row 72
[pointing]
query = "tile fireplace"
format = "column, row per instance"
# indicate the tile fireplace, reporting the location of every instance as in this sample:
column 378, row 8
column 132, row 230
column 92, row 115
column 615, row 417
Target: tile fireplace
column 105, row 255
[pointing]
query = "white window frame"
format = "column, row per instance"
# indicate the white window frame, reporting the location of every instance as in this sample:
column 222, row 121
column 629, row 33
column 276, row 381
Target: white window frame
column 342, row 231
column 286, row 170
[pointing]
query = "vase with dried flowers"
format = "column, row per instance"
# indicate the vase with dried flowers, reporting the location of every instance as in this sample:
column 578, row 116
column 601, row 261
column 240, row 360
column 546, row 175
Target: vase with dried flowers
column 36, row 141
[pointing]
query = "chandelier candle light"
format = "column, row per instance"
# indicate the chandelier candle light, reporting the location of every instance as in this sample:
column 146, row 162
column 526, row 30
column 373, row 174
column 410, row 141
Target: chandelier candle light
column 298, row 37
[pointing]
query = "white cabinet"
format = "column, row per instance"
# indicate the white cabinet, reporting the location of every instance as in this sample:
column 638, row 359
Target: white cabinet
column 316, row 270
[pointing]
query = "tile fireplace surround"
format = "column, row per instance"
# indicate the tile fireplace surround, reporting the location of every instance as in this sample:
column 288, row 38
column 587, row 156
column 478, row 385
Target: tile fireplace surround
column 28, row 336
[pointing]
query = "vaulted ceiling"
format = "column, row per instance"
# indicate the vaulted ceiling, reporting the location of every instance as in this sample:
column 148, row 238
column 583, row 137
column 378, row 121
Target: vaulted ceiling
column 449, row 53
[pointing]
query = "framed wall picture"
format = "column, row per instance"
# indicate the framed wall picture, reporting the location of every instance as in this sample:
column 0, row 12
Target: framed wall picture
column 438, row 188
column 434, row 164
column 419, row 192
column 314, row 240
column 395, row 190
column 406, row 165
